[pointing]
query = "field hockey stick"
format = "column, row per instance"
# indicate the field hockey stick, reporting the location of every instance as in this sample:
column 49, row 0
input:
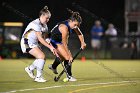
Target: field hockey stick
column 64, row 68
column 58, row 77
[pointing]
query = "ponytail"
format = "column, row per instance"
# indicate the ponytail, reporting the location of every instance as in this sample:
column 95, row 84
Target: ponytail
column 75, row 16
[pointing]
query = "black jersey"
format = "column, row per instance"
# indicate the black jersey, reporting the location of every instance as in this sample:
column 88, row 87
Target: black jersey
column 56, row 35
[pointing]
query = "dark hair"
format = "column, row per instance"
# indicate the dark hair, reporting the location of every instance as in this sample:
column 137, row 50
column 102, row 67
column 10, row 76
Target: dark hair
column 75, row 16
column 44, row 11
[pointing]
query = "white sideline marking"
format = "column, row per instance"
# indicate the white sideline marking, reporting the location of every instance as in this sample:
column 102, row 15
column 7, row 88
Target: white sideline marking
column 44, row 88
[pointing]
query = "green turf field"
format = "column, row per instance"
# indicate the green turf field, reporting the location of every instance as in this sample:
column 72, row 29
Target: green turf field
column 94, row 76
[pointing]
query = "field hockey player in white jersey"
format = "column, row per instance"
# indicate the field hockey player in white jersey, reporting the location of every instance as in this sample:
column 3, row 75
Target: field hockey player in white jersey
column 29, row 44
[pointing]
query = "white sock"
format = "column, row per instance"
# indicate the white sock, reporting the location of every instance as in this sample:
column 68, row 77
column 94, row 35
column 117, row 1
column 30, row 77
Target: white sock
column 40, row 66
column 33, row 65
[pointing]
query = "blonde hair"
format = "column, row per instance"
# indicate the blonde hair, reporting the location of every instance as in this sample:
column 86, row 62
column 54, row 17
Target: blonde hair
column 44, row 11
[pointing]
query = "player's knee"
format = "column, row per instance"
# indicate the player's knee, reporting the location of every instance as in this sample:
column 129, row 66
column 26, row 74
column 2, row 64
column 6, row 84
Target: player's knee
column 67, row 57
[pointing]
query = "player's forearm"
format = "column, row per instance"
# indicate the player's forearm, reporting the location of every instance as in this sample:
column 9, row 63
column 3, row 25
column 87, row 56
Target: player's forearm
column 81, row 38
column 42, row 41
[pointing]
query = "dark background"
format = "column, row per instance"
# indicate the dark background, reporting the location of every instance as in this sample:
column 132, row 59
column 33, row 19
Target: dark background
column 107, row 10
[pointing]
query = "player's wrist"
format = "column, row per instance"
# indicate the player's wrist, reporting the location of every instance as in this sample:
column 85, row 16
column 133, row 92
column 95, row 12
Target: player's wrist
column 83, row 43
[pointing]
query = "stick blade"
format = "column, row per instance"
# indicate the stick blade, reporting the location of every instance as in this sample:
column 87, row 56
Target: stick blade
column 55, row 79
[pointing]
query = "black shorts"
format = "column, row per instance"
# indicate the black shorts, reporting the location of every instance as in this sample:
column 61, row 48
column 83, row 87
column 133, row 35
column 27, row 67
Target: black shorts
column 54, row 43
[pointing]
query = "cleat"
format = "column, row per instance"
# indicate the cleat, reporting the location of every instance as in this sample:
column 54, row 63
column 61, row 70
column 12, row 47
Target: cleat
column 40, row 79
column 29, row 72
column 54, row 70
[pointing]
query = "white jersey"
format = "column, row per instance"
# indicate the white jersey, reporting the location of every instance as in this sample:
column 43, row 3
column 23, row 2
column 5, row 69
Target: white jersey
column 112, row 32
column 29, row 38
column 36, row 26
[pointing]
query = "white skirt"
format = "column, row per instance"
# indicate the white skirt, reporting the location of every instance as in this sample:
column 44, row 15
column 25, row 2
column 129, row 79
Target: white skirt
column 27, row 45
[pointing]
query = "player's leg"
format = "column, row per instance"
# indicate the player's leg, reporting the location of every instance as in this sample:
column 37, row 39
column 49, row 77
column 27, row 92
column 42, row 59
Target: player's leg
column 93, row 44
column 96, row 46
column 69, row 68
column 53, row 66
column 25, row 49
column 66, row 63
column 38, row 63
column 56, row 62
column 63, row 55
column 61, row 50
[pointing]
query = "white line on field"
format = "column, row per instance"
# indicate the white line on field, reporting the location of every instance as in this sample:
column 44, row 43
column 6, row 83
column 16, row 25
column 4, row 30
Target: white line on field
column 60, row 86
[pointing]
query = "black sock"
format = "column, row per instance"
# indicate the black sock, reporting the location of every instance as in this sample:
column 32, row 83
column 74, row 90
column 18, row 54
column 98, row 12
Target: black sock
column 66, row 63
column 55, row 63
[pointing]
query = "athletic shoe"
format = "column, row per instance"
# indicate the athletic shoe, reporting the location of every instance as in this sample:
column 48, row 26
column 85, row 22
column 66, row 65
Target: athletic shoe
column 30, row 73
column 40, row 79
column 51, row 68
column 72, row 79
